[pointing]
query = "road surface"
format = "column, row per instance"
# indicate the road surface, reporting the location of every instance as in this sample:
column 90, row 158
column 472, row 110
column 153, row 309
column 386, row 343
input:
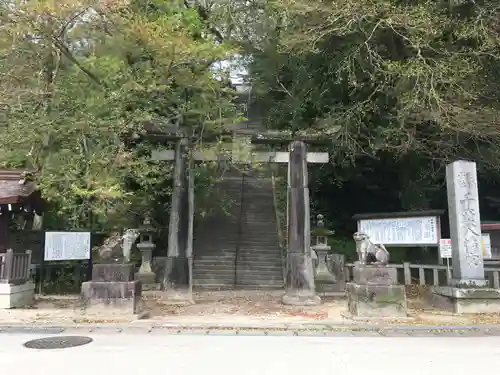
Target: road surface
column 138, row 354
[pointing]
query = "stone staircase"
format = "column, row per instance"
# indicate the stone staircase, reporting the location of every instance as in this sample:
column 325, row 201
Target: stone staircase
column 239, row 250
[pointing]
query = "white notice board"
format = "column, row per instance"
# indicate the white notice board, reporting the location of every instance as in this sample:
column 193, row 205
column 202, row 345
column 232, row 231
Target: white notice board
column 67, row 246
column 416, row 231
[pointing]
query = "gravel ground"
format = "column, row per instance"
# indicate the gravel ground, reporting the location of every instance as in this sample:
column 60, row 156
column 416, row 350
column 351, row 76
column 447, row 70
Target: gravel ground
column 228, row 306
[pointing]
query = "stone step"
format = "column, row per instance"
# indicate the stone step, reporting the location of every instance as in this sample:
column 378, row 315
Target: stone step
column 257, row 272
column 213, row 259
column 257, row 269
column 265, row 245
column 217, row 249
column 232, row 287
column 268, row 228
column 264, row 254
column 239, row 284
column 211, row 282
column 208, row 286
column 259, row 262
column 241, row 268
column 257, row 283
column 211, row 273
column 209, row 261
column 266, row 231
column 241, row 263
column 256, row 257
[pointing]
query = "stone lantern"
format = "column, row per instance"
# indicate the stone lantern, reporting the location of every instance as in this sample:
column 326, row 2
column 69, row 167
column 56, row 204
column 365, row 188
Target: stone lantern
column 146, row 247
column 329, row 273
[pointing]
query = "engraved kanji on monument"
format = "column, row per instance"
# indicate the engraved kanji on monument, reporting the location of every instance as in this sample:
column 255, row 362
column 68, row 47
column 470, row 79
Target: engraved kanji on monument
column 465, row 224
column 468, row 290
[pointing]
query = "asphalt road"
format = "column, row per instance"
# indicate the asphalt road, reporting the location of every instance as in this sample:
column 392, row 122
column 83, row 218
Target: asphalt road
column 129, row 354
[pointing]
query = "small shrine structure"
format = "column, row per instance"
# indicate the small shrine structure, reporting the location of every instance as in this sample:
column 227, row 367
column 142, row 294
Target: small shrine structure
column 21, row 203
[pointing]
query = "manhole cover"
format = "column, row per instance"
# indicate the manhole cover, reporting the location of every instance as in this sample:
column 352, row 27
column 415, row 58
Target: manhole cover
column 58, row 342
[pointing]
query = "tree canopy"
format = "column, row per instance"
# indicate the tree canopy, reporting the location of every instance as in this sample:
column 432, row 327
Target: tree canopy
column 78, row 77
column 400, row 87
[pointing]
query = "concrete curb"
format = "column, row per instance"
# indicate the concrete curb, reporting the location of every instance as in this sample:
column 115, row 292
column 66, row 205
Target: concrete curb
column 304, row 329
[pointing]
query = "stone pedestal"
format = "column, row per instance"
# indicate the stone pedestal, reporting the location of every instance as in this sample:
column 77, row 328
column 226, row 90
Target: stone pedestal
column 14, row 296
column 329, row 274
column 466, row 300
column 375, row 293
column 145, row 274
column 112, row 288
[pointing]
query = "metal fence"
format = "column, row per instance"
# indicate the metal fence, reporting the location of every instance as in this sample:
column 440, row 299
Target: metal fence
column 15, row 268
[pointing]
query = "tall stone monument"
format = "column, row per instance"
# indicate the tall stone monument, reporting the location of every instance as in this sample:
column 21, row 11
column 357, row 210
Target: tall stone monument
column 468, row 291
column 300, row 288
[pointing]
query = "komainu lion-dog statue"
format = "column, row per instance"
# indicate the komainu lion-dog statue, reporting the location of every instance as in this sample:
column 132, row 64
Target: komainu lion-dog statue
column 368, row 252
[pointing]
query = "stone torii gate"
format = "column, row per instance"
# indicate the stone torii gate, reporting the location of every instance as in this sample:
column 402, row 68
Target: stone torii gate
column 300, row 288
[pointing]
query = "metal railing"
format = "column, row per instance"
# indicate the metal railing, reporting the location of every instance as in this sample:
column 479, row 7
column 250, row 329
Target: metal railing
column 239, row 234
column 15, row 268
column 279, row 226
column 435, row 274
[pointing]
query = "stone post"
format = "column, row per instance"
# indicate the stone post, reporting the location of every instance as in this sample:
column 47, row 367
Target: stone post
column 468, row 291
column 146, row 246
column 177, row 281
column 300, row 288
column 465, row 224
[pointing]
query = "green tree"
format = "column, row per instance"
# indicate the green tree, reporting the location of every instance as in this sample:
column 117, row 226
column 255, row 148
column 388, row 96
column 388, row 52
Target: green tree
column 393, row 76
column 78, row 78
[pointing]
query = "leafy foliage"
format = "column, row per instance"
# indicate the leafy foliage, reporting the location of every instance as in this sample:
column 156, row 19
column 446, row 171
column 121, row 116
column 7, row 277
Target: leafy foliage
column 78, row 78
column 388, row 76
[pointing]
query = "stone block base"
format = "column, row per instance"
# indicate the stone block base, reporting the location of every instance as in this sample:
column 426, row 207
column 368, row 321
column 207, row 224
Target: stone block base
column 466, row 300
column 112, row 272
column 376, row 300
column 146, row 278
column 151, row 287
column 121, row 297
column 330, row 289
column 17, row 296
column 374, row 274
